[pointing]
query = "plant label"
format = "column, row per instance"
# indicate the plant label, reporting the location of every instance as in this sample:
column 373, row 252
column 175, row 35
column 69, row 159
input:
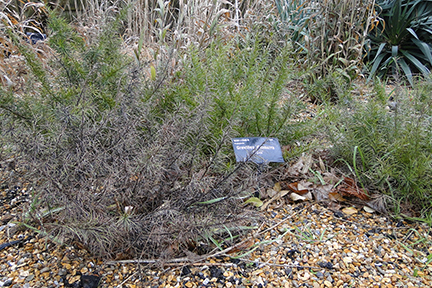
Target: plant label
column 257, row 149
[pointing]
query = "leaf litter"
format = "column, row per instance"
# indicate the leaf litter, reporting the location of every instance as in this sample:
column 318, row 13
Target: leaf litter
column 312, row 181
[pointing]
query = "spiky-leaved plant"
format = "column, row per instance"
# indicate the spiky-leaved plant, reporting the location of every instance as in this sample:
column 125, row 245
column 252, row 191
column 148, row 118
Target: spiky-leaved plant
column 401, row 41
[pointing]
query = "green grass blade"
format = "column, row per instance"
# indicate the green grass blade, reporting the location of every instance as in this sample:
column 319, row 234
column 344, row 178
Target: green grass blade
column 212, row 201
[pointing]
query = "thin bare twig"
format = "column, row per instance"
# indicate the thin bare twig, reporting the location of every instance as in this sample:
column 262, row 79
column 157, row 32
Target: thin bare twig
column 279, row 223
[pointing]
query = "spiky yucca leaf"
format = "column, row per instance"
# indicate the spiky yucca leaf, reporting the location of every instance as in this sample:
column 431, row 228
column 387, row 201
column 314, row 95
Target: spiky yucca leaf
column 402, row 41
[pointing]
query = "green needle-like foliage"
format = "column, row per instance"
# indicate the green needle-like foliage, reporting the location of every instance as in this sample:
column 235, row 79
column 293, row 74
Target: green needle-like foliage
column 243, row 88
column 390, row 147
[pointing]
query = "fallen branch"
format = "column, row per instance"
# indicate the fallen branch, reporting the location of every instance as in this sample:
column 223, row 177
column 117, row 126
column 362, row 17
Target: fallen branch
column 190, row 260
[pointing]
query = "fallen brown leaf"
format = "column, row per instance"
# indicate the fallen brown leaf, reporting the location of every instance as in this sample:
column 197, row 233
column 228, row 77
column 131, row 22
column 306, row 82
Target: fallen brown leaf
column 349, row 188
column 335, row 196
column 307, row 163
column 300, row 188
column 304, row 185
column 368, row 209
column 321, row 192
column 321, row 165
column 349, row 210
column 301, row 166
column 297, row 197
column 330, row 178
column 274, row 198
column 294, row 170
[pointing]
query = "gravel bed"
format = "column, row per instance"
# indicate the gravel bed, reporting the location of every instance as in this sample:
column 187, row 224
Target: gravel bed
column 298, row 245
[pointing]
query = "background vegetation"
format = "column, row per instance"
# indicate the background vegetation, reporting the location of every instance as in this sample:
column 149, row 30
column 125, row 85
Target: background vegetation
column 122, row 118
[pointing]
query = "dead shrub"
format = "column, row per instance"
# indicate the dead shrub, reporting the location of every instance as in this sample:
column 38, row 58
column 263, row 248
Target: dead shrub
column 108, row 171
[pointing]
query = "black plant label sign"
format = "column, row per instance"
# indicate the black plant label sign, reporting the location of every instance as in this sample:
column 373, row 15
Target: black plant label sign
column 257, row 149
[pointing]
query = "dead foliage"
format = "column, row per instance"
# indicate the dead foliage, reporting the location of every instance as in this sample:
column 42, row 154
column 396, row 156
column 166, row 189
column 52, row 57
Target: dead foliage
column 111, row 171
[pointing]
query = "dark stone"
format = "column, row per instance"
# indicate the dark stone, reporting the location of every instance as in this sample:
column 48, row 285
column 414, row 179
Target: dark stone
column 339, row 214
column 390, row 236
column 62, row 272
column 200, row 275
column 356, row 274
column 185, row 271
column 327, row 265
column 298, row 208
column 216, row 273
column 400, row 224
column 90, row 281
column 408, row 221
column 291, row 253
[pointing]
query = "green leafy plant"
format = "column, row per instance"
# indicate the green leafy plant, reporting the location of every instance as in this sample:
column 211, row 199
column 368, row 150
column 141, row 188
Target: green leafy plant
column 416, row 244
column 244, row 90
column 401, row 42
column 389, row 148
column 336, row 86
column 295, row 17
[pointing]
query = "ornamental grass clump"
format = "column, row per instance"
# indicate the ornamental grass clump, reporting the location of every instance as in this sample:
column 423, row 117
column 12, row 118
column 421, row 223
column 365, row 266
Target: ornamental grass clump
column 328, row 34
column 387, row 144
